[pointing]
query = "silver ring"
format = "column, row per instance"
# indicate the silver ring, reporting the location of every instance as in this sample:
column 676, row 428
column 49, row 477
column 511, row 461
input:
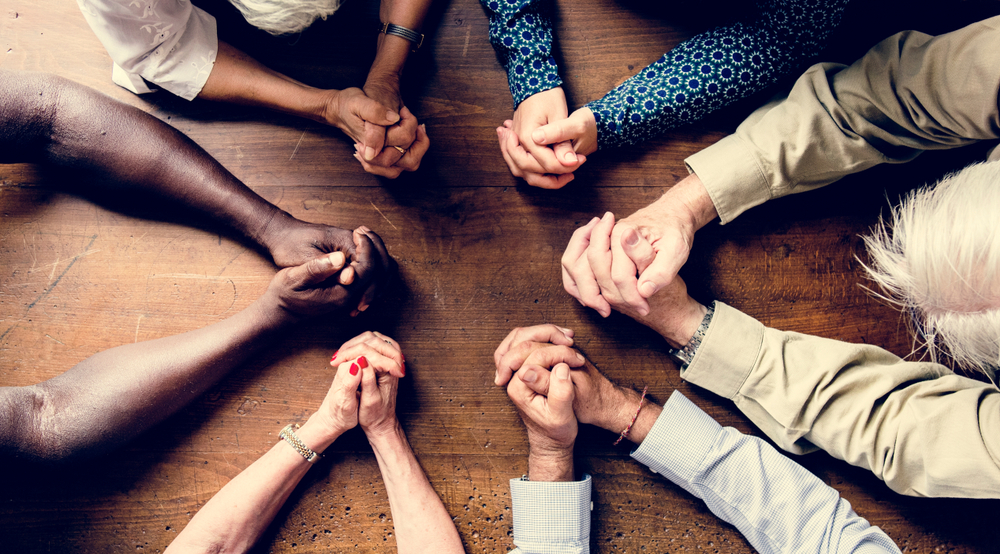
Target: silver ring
column 401, row 150
column 387, row 341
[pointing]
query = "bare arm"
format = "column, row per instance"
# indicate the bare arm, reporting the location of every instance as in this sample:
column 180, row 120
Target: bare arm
column 235, row 518
column 117, row 394
column 420, row 520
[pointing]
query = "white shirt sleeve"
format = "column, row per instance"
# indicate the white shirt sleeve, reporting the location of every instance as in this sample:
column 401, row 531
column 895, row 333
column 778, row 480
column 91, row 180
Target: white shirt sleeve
column 776, row 503
column 170, row 43
column 551, row 517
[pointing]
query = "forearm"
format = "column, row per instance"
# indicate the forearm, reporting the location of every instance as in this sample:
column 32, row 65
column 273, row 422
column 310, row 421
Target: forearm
column 235, row 518
column 911, row 92
column 777, row 504
column 420, row 520
column 916, row 425
column 49, row 119
column 714, row 69
column 239, row 79
column 392, row 51
column 115, row 395
column 528, row 62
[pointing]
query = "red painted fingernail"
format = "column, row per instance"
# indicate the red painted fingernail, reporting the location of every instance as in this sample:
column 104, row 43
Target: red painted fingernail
column 354, row 369
column 334, row 355
column 404, row 369
column 362, row 362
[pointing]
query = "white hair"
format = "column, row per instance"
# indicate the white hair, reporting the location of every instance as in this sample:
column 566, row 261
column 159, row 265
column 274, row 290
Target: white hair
column 939, row 261
column 285, row 17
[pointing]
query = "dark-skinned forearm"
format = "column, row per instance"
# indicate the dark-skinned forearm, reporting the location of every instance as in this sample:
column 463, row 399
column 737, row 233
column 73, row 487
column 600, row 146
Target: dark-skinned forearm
column 115, row 395
column 48, row 119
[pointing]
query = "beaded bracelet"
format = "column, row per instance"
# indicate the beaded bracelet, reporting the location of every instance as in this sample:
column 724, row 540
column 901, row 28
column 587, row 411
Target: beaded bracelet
column 635, row 417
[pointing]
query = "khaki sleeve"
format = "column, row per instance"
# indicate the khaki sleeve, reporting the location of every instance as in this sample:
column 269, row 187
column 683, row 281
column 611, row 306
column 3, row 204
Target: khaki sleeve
column 919, row 427
column 911, row 92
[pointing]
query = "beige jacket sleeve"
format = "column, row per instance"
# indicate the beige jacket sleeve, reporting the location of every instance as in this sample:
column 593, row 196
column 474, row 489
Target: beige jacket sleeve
column 911, row 92
column 919, row 427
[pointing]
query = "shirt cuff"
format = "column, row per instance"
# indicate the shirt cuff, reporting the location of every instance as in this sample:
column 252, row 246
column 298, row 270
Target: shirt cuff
column 732, row 177
column 728, row 352
column 551, row 516
column 680, row 439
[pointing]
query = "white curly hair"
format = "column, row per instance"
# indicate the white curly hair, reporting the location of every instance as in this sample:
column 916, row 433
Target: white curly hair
column 939, row 261
column 285, row 17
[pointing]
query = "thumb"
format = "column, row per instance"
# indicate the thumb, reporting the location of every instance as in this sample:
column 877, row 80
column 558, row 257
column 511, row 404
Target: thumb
column 637, row 248
column 560, row 396
column 661, row 271
column 373, row 111
column 559, row 131
column 317, row 270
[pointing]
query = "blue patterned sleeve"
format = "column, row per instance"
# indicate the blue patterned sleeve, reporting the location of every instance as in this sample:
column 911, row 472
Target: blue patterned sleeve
column 715, row 69
column 521, row 34
column 776, row 503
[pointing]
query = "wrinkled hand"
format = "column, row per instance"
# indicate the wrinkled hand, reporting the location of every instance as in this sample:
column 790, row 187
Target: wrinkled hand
column 384, row 90
column 339, row 411
column 293, row 242
column 552, row 427
column 351, row 109
column 380, row 351
column 596, row 400
column 579, row 129
column 514, row 350
column 378, row 387
column 539, row 165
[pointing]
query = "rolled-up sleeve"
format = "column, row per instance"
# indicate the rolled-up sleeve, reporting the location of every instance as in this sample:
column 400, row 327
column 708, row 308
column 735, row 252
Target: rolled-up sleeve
column 170, row 43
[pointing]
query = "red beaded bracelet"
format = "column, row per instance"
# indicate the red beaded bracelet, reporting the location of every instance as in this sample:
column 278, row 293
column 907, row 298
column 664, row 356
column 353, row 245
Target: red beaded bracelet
column 635, row 417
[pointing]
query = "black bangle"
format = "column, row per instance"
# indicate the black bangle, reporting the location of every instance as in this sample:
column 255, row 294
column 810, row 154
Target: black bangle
column 409, row 34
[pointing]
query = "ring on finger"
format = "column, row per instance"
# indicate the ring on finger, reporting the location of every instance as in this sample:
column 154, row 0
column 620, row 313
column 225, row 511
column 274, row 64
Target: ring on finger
column 400, row 149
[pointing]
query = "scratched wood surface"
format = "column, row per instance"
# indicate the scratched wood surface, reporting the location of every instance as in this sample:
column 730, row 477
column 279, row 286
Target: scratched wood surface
column 478, row 254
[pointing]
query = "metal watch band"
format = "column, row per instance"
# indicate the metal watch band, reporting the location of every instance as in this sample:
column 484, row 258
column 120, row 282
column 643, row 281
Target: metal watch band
column 409, row 34
column 686, row 354
column 288, row 435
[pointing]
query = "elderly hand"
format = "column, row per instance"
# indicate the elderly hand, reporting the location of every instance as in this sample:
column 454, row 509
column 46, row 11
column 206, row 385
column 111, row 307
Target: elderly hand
column 539, row 165
column 607, row 264
column 378, row 389
column 339, row 411
column 510, row 356
column 382, row 352
column 350, row 109
column 552, row 427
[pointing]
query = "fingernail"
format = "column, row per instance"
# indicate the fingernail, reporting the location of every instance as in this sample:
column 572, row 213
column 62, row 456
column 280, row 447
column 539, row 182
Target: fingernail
column 424, row 127
column 580, row 357
column 354, row 369
column 566, row 331
column 338, row 259
column 631, row 237
column 595, row 220
column 648, row 289
column 528, row 376
column 643, row 312
column 402, row 368
column 570, row 157
column 362, row 362
column 362, row 307
column 538, row 136
column 369, row 153
column 392, row 116
column 496, row 377
column 562, row 372
column 334, row 355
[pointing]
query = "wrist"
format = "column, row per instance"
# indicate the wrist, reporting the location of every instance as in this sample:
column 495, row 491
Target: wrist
column 691, row 196
column 684, row 323
column 549, row 465
column 384, row 435
column 275, row 225
column 319, row 433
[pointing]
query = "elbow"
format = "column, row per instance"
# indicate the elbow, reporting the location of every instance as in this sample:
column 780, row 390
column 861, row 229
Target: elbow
column 35, row 429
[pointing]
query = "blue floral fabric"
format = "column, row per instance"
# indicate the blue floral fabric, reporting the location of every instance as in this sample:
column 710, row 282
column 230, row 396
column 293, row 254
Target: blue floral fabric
column 701, row 75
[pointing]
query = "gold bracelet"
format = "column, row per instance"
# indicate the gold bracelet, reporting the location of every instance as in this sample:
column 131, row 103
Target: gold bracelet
column 288, row 435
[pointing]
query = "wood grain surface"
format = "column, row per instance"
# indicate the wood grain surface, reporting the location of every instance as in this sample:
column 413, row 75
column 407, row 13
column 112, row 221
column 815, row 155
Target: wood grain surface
column 478, row 254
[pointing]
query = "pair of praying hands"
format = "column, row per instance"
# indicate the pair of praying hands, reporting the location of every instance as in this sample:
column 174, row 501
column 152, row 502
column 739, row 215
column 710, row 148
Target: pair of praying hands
column 555, row 388
column 387, row 137
column 543, row 144
column 363, row 392
column 631, row 265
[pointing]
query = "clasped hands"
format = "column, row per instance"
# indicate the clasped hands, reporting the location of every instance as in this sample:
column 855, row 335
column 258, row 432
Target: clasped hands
column 542, row 144
column 387, row 138
column 364, row 388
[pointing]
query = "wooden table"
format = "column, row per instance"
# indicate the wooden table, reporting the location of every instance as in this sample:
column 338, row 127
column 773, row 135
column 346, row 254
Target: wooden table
column 478, row 254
